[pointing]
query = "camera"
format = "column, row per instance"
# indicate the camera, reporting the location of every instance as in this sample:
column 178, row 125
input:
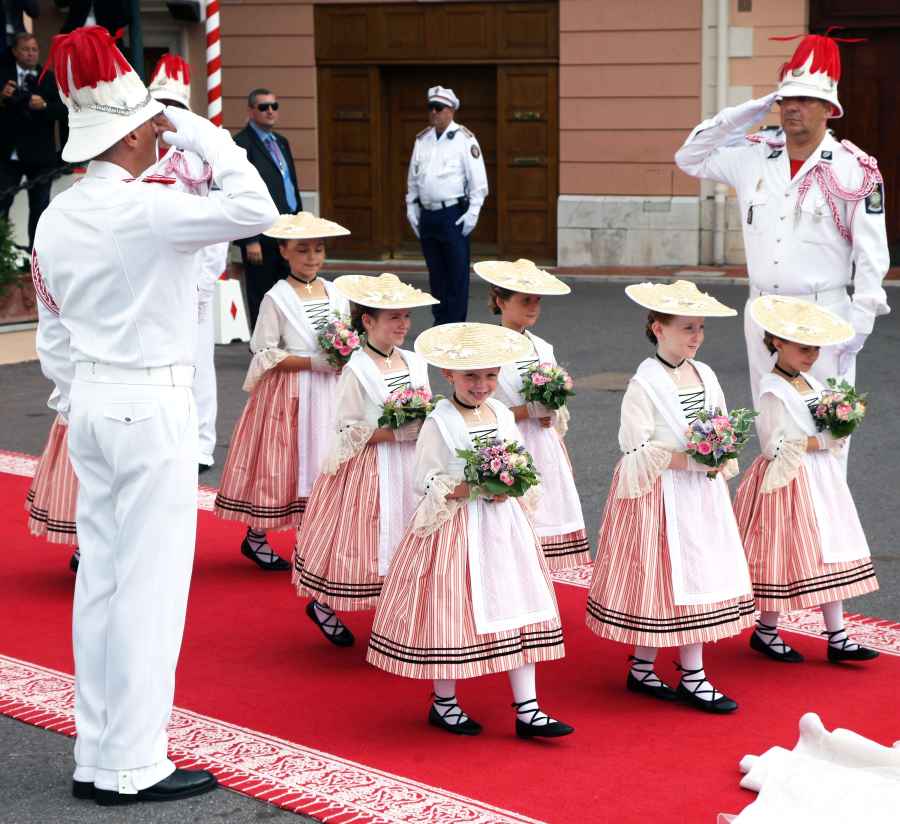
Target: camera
column 22, row 94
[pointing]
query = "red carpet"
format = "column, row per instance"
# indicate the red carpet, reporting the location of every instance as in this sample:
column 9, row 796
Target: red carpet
column 253, row 659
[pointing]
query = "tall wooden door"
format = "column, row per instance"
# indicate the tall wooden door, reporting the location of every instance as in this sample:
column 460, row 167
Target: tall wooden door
column 528, row 177
column 406, row 114
column 351, row 147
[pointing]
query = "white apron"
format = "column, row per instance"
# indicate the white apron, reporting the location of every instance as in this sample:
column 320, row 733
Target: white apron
column 396, row 461
column 559, row 510
column 705, row 550
column 508, row 585
column 315, row 389
column 840, row 532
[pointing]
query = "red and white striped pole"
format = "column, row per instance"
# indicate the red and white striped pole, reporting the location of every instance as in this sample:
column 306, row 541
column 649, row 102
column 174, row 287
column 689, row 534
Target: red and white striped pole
column 213, row 63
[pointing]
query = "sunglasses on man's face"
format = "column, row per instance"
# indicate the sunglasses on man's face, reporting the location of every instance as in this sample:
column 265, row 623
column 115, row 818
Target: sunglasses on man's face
column 436, row 107
column 264, row 107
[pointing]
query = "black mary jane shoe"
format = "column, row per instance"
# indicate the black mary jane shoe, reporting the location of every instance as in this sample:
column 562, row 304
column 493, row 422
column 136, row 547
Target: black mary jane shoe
column 693, row 694
column 777, row 650
column 83, row 790
column 180, row 784
column 73, row 565
column 342, row 638
column 838, row 654
column 552, row 729
column 663, row 692
column 278, row 564
column 467, row 727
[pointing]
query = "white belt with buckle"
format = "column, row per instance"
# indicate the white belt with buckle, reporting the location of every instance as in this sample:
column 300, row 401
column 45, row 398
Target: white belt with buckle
column 826, row 296
column 175, row 375
column 440, row 204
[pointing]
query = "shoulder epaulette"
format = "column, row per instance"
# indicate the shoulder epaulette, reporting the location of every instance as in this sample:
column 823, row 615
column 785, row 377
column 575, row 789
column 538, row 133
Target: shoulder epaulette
column 864, row 160
column 423, row 132
column 466, row 132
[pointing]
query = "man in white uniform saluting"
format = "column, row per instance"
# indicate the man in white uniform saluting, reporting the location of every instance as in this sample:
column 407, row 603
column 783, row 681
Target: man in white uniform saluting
column 812, row 208
column 114, row 265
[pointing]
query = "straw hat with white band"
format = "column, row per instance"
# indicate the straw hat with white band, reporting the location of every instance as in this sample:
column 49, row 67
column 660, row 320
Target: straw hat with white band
column 520, row 276
column 798, row 321
column 460, row 346
column 304, row 226
column 105, row 97
column 386, row 291
column 679, row 298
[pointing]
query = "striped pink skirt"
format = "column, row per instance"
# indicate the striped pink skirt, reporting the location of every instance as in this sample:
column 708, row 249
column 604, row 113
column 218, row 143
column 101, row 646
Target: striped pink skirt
column 631, row 598
column 424, row 625
column 50, row 501
column 260, row 479
column 336, row 556
column 782, row 544
column 566, row 551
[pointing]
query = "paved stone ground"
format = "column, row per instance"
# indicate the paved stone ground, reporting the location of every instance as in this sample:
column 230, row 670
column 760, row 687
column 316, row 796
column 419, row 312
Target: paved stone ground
column 598, row 335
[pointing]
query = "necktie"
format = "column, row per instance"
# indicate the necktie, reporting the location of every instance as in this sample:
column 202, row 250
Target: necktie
column 278, row 157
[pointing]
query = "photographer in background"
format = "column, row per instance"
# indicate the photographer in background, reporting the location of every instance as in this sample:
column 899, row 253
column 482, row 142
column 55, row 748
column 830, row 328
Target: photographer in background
column 29, row 109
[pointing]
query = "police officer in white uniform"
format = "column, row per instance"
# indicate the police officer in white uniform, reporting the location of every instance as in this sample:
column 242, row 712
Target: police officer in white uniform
column 445, row 189
column 114, row 265
column 812, row 208
column 170, row 85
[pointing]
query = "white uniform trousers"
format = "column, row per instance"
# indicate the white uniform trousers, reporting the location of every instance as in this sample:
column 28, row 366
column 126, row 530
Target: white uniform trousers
column 761, row 362
column 205, row 393
column 134, row 449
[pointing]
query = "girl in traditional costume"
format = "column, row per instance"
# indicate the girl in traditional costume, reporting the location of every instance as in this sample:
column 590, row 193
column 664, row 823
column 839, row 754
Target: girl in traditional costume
column 468, row 592
column 516, row 292
column 802, row 535
column 670, row 569
column 361, row 503
column 282, row 436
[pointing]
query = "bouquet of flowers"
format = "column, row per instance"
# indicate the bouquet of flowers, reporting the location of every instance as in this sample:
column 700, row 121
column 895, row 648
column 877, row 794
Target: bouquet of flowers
column 714, row 438
column 497, row 467
column 338, row 341
column 405, row 405
column 548, row 385
column 840, row 408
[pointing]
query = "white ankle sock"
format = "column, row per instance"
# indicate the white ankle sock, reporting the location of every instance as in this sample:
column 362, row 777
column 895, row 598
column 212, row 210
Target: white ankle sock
column 691, row 656
column 445, row 703
column 523, row 682
column 833, row 613
column 767, row 631
column 646, row 659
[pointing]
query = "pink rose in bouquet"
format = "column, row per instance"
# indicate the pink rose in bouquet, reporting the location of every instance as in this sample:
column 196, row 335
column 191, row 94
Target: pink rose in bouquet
column 548, row 385
column 406, row 405
column 338, row 340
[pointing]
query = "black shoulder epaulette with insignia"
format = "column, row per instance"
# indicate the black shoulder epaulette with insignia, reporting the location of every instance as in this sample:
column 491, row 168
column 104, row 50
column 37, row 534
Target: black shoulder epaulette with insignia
column 423, row 132
column 775, row 153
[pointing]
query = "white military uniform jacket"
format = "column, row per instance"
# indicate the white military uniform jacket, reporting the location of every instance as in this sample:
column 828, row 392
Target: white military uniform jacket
column 446, row 168
column 795, row 249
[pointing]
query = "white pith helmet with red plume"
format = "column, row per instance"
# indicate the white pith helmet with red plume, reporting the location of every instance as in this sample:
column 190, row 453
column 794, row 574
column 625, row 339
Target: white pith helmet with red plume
column 105, row 96
column 172, row 80
column 815, row 69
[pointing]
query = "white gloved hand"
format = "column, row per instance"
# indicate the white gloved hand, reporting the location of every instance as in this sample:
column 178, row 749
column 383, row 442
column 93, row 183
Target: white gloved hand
column 828, row 441
column 319, row 363
column 468, row 221
column 408, row 432
column 848, row 351
column 413, row 211
column 746, row 115
column 194, row 133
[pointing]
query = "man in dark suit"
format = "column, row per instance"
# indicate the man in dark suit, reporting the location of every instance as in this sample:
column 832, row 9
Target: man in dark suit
column 29, row 109
column 271, row 154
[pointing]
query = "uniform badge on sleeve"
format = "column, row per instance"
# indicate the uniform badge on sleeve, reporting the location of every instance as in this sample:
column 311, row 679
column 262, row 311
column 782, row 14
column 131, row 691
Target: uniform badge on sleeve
column 875, row 201
column 476, row 152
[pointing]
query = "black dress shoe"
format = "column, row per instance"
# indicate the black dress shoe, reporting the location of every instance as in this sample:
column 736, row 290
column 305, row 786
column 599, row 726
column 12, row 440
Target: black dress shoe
column 342, row 638
column 788, row 656
column 528, row 729
column 201, row 468
column 663, row 692
column 73, row 565
column 180, row 784
column 467, row 727
column 83, row 789
column 278, row 564
column 634, row 684
column 838, row 652
column 692, row 692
